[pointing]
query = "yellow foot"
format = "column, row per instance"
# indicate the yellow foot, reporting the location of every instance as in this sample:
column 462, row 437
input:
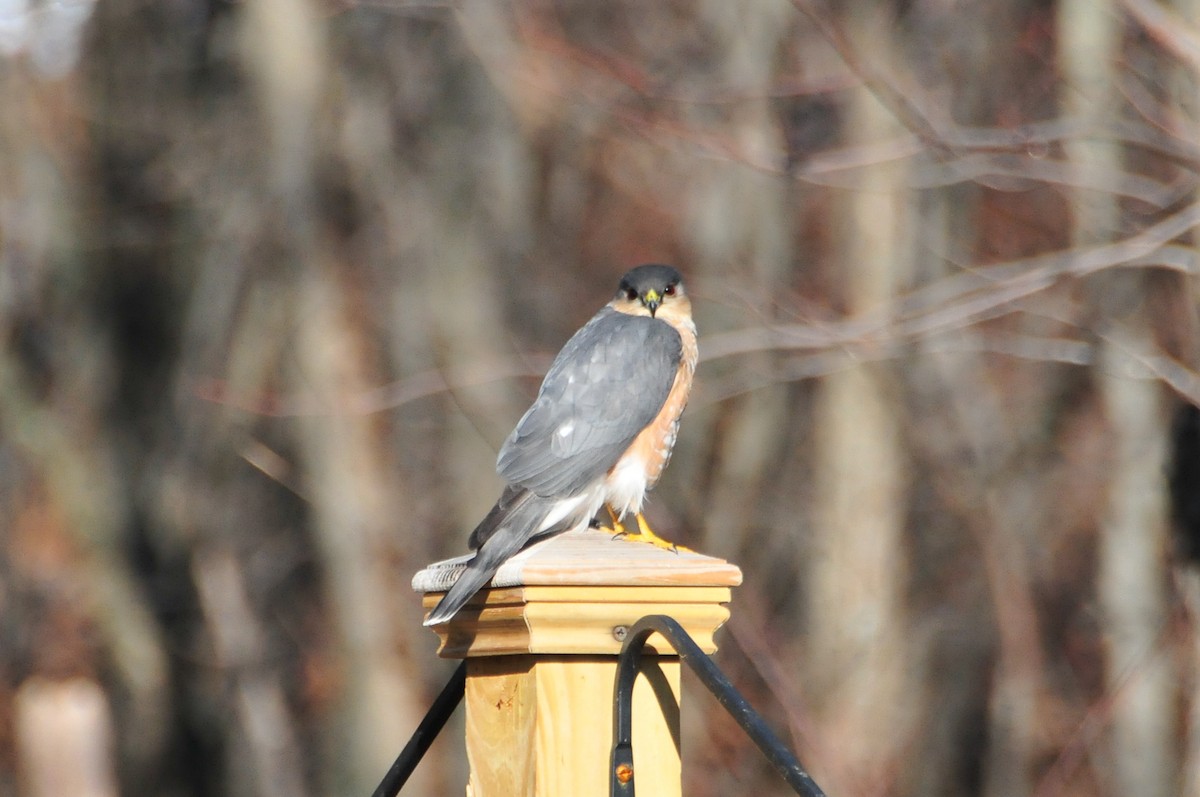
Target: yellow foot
column 643, row 534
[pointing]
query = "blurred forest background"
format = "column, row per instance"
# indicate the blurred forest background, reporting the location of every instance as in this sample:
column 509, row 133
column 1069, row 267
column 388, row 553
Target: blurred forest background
column 278, row 276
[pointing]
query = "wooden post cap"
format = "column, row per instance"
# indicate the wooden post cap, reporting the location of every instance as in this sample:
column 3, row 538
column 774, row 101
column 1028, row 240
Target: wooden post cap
column 576, row 593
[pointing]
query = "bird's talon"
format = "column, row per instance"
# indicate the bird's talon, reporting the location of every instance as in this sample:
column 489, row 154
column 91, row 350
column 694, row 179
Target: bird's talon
column 647, row 535
column 617, row 533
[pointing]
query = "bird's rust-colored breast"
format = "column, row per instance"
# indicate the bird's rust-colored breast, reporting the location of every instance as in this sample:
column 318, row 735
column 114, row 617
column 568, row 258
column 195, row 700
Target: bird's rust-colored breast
column 654, row 444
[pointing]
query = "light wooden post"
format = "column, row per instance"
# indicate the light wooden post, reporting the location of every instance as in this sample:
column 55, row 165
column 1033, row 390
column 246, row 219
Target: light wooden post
column 542, row 645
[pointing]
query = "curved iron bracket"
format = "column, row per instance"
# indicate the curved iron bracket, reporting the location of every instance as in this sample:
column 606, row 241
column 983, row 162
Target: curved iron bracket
column 628, row 666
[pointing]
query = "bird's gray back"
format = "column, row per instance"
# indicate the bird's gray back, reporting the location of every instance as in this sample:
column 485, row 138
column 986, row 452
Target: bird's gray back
column 606, row 385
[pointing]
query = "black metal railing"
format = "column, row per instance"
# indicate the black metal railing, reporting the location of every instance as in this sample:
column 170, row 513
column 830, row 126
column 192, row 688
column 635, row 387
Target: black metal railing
column 443, row 706
column 629, row 664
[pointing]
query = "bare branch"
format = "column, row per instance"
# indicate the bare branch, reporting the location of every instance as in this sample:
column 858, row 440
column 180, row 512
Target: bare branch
column 978, row 293
column 1167, row 28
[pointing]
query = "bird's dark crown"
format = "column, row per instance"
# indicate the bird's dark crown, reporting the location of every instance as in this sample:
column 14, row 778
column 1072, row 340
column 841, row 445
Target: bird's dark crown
column 652, row 276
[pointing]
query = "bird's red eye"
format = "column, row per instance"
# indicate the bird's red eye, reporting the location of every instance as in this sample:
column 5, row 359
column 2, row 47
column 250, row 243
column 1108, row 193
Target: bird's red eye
column 669, row 290
column 630, row 294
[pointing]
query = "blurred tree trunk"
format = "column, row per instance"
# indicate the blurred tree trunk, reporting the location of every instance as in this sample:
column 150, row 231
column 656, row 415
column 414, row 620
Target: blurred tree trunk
column 858, row 659
column 735, row 219
column 1132, row 544
column 734, row 225
column 344, row 455
column 354, row 514
column 1186, row 96
column 266, row 757
column 57, row 392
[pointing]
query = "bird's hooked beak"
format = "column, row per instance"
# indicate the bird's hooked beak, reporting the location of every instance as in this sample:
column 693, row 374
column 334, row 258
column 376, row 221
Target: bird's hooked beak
column 651, row 299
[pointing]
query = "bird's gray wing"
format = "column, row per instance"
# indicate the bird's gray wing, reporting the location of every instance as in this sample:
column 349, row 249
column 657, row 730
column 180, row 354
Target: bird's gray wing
column 607, row 384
